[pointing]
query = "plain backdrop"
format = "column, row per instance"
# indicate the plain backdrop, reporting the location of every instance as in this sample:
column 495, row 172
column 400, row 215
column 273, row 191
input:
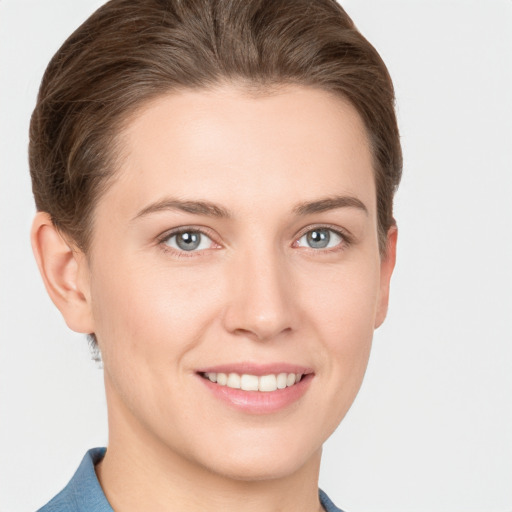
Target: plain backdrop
column 431, row 430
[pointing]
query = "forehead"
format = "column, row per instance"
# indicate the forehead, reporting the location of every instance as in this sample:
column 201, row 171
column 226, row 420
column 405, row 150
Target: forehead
column 242, row 148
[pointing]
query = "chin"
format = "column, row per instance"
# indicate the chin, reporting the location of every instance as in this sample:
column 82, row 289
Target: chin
column 264, row 461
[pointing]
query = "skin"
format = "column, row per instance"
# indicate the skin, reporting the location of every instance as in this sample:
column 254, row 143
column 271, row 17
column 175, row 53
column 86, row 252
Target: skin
column 255, row 291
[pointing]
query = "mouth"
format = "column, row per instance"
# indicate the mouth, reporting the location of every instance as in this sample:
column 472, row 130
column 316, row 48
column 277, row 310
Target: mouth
column 257, row 389
column 248, row 382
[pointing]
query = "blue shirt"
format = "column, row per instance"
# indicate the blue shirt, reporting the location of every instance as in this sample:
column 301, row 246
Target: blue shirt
column 84, row 492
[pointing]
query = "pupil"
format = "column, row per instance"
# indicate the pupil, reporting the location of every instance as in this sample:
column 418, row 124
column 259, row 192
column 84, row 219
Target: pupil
column 188, row 241
column 319, row 238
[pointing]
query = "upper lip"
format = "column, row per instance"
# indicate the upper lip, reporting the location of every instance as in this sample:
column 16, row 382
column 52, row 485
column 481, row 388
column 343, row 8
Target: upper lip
column 256, row 368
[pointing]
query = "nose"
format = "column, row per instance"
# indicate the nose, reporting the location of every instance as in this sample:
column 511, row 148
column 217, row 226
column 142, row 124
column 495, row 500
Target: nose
column 260, row 304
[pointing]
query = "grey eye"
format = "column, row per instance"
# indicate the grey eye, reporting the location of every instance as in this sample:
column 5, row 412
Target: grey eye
column 320, row 238
column 189, row 241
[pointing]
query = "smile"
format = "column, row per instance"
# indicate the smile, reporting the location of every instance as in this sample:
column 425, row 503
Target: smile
column 257, row 388
column 248, row 382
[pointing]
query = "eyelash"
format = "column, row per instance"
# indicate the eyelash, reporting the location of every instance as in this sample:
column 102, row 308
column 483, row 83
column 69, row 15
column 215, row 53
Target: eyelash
column 346, row 240
column 164, row 238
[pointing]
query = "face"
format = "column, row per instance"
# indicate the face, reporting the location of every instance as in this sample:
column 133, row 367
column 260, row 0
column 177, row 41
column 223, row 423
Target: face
column 234, row 277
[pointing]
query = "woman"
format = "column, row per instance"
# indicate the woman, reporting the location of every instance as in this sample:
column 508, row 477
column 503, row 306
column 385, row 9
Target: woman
column 214, row 184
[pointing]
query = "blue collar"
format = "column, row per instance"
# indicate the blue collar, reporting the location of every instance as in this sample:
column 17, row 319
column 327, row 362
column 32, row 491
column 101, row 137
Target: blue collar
column 84, row 493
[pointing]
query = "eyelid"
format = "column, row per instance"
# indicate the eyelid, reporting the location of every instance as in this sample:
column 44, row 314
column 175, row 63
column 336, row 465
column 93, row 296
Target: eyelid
column 166, row 235
column 343, row 233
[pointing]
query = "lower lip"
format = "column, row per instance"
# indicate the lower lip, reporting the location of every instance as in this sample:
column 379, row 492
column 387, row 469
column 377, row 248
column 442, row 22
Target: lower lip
column 260, row 402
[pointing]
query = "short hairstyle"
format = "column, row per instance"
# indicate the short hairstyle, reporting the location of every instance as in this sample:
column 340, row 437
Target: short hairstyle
column 131, row 51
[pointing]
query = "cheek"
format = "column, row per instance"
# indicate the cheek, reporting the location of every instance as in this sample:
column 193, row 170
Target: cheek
column 149, row 311
column 150, row 321
column 342, row 306
column 344, row 299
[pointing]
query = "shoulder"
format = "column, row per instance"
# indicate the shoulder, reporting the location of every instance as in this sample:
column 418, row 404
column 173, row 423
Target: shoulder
column 59, row 503
column 326, row 503
column 83, row 492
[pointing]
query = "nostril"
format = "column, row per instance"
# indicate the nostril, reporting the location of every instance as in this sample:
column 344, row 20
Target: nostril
column 262, row 332
column 261, row 306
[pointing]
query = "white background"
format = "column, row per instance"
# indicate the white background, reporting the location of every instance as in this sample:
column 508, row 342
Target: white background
column 431, row 430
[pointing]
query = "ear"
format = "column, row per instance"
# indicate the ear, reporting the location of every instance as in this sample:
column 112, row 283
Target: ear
column 65, row 273
column 387, row 265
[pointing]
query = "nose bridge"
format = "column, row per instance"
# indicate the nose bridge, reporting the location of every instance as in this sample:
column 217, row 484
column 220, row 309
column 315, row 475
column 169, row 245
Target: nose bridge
column 260, row 302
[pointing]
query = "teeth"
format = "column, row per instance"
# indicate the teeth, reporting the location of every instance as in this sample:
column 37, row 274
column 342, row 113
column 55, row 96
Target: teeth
column 233, row 381
column 249, row 382
column 268, row 383
column 264, row 383
column 281, row 381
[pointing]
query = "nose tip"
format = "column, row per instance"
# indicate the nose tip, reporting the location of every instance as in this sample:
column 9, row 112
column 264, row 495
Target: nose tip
column 261, row 305
column 262, row 327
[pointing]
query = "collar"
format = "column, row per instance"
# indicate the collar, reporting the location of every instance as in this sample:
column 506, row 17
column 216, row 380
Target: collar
column 83, row 493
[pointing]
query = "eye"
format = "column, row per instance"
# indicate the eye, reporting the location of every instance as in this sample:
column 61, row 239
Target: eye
column 188, row 240
column 320, row 238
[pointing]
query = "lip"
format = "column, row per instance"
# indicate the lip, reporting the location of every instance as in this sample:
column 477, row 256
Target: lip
column 256, row 369
column 258, row 402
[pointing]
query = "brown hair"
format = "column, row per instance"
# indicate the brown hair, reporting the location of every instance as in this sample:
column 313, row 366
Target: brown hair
column 130, row 51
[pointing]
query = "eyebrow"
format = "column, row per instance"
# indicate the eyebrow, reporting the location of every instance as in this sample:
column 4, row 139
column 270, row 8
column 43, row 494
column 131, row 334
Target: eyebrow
column 195, row 207
column 209, row 209
column 330, row 203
